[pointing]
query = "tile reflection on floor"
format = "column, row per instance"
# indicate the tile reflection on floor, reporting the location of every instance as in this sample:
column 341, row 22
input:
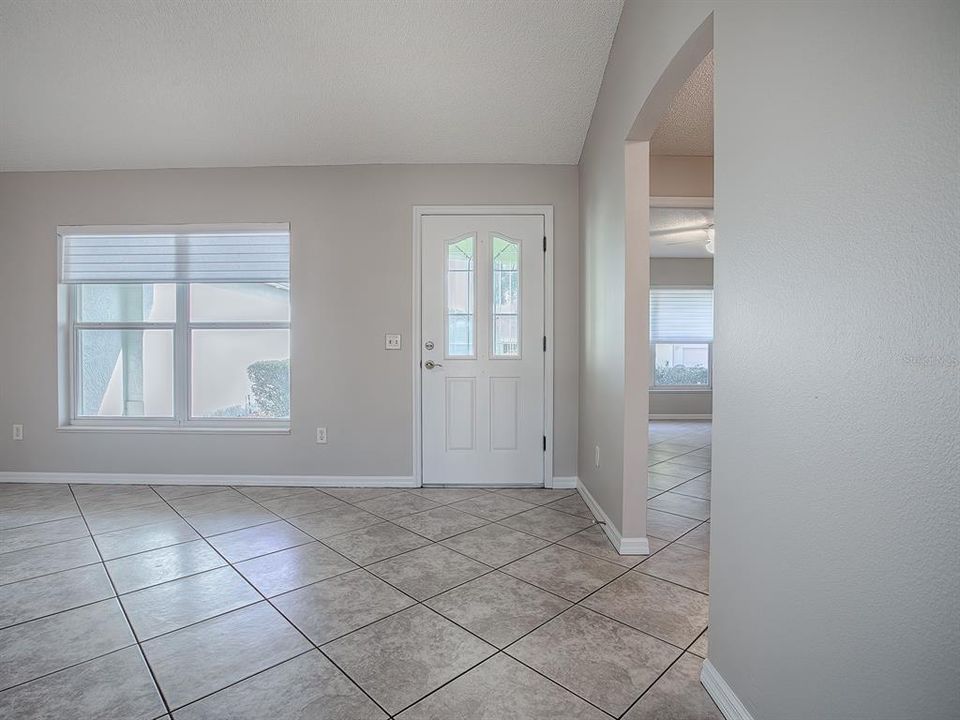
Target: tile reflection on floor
column 192, row 602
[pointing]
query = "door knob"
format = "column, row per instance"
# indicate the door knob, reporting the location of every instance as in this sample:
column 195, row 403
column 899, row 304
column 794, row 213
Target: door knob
column 430, row 365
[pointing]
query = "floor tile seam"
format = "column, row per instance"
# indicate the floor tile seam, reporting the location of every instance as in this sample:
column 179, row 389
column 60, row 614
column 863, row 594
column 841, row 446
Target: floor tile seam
column 165, row 582
column 178, row 708
column 57, row 612
column 46, row 544
column 280, row 613
column 672, row 582
column 39, row 522
column 434, row 542
column 687, row 517
column 126, row 618
column 55, row 572
column 218, row 488
column 651, row 685
column 70, row 666
column 300, row 490
column 490, row 568
column 141, row 552
column 311, row 541
column 121, row 508
column 556, row 682
column 165, row 633
column 666, row 670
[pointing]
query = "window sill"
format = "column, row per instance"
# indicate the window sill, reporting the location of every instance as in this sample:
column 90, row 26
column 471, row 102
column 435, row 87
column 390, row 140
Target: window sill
column 146, row 429
column 677, row 389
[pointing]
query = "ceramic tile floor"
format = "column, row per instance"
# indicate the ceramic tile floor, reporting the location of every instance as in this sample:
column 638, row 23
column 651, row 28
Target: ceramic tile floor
column 252, row 602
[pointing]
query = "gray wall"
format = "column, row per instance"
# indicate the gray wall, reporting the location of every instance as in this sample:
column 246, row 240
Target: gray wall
column 674, row 272
column 834, row 576
column 352, row 282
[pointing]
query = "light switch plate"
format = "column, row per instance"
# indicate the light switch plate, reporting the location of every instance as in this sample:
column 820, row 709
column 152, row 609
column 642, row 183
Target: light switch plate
column 392, row 341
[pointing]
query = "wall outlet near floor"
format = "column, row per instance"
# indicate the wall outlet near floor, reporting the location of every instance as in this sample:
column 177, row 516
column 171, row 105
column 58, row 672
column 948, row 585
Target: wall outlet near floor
column 321, row 436
column 18, row 432
column 596, row 456
column 392, row 341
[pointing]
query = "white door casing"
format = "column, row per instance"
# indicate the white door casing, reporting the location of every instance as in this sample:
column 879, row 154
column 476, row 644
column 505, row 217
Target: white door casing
column 482, row 359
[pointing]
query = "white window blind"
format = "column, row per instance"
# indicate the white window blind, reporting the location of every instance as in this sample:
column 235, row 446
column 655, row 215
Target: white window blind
column 681, row 315
column 184, row 254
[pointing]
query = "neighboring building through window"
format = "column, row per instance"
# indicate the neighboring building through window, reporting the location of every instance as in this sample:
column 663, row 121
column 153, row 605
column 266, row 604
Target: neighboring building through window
column 181, row 326
column 681, row 338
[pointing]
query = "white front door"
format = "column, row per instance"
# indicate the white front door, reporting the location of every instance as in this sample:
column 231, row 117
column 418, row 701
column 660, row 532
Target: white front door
column 482, row 349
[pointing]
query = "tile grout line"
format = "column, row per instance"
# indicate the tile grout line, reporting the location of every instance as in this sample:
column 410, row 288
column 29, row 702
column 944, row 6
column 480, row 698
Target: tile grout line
column 279, row 612
column 413, row 604
column 430, row 542
column 123, row 610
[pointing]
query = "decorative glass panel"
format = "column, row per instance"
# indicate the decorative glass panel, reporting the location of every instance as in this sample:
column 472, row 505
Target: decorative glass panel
column 506, row 297
column 461, row 279
column 125, row 373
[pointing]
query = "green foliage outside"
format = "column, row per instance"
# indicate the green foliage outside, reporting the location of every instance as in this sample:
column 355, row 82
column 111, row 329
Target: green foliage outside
column 270, row 384
column 667, row 374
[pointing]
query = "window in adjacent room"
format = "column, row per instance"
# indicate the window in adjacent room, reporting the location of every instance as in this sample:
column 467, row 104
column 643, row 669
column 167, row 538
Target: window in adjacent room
column 186, row 326
column 681, row 338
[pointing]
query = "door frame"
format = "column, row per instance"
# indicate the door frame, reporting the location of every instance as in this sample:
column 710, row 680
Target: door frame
column 421, row 211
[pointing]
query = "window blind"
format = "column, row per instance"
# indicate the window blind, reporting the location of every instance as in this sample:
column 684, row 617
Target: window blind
column 187, row 254
column 681, row 315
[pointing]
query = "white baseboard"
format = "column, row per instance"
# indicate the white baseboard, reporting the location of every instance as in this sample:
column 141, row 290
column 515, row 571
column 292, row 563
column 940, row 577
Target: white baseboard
column 624, row 546
column 722, row 694
column 565, row 483
column 166, row 479
column 679, row 416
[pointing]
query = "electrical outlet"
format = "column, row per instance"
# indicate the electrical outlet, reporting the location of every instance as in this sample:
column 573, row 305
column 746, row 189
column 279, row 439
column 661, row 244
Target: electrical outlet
column 18, row 432
column 392, row 341
column 321, row 436
column 596, row 456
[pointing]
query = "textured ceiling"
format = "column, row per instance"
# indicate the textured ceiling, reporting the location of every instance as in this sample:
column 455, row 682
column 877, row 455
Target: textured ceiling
column 88, row 84
column 687, row 127
column 679, row 232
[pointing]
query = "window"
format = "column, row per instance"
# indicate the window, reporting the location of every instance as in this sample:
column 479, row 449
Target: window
column 176, row 327
column 506, row 298
column 681, row 338
column 461, row 281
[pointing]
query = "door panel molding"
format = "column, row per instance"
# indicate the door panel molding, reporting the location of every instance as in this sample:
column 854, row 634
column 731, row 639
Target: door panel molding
column 545, row 211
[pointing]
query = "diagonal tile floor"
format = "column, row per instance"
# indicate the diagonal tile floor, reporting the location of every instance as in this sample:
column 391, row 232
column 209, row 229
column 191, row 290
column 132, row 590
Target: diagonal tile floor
column 199, row 602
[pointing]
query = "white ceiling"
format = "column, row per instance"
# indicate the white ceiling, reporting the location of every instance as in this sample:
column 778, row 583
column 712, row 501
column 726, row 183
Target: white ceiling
column 679, row 232
column 87, row 84
column 687, row 126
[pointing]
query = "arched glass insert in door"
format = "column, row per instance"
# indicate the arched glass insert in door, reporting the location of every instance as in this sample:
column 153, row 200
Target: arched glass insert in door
column 505, row 298
column 460, row 297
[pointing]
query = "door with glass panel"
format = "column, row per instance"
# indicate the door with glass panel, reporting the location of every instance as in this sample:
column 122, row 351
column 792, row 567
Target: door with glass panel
column 482, row 349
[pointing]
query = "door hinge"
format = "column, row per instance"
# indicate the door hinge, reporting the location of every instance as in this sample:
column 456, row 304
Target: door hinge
column 544, row 443
column 544, row 243
column 544, row 343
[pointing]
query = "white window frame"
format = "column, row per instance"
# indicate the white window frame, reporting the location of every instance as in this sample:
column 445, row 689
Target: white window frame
column 653, row 351
column 182, row 327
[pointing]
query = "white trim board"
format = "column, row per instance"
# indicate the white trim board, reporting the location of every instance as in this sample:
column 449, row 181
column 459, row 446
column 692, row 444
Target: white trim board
column 240, row 480
column 565, row 483
column 624, row 546
column 679, row 416
column 722, row 694
column 419, row 211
